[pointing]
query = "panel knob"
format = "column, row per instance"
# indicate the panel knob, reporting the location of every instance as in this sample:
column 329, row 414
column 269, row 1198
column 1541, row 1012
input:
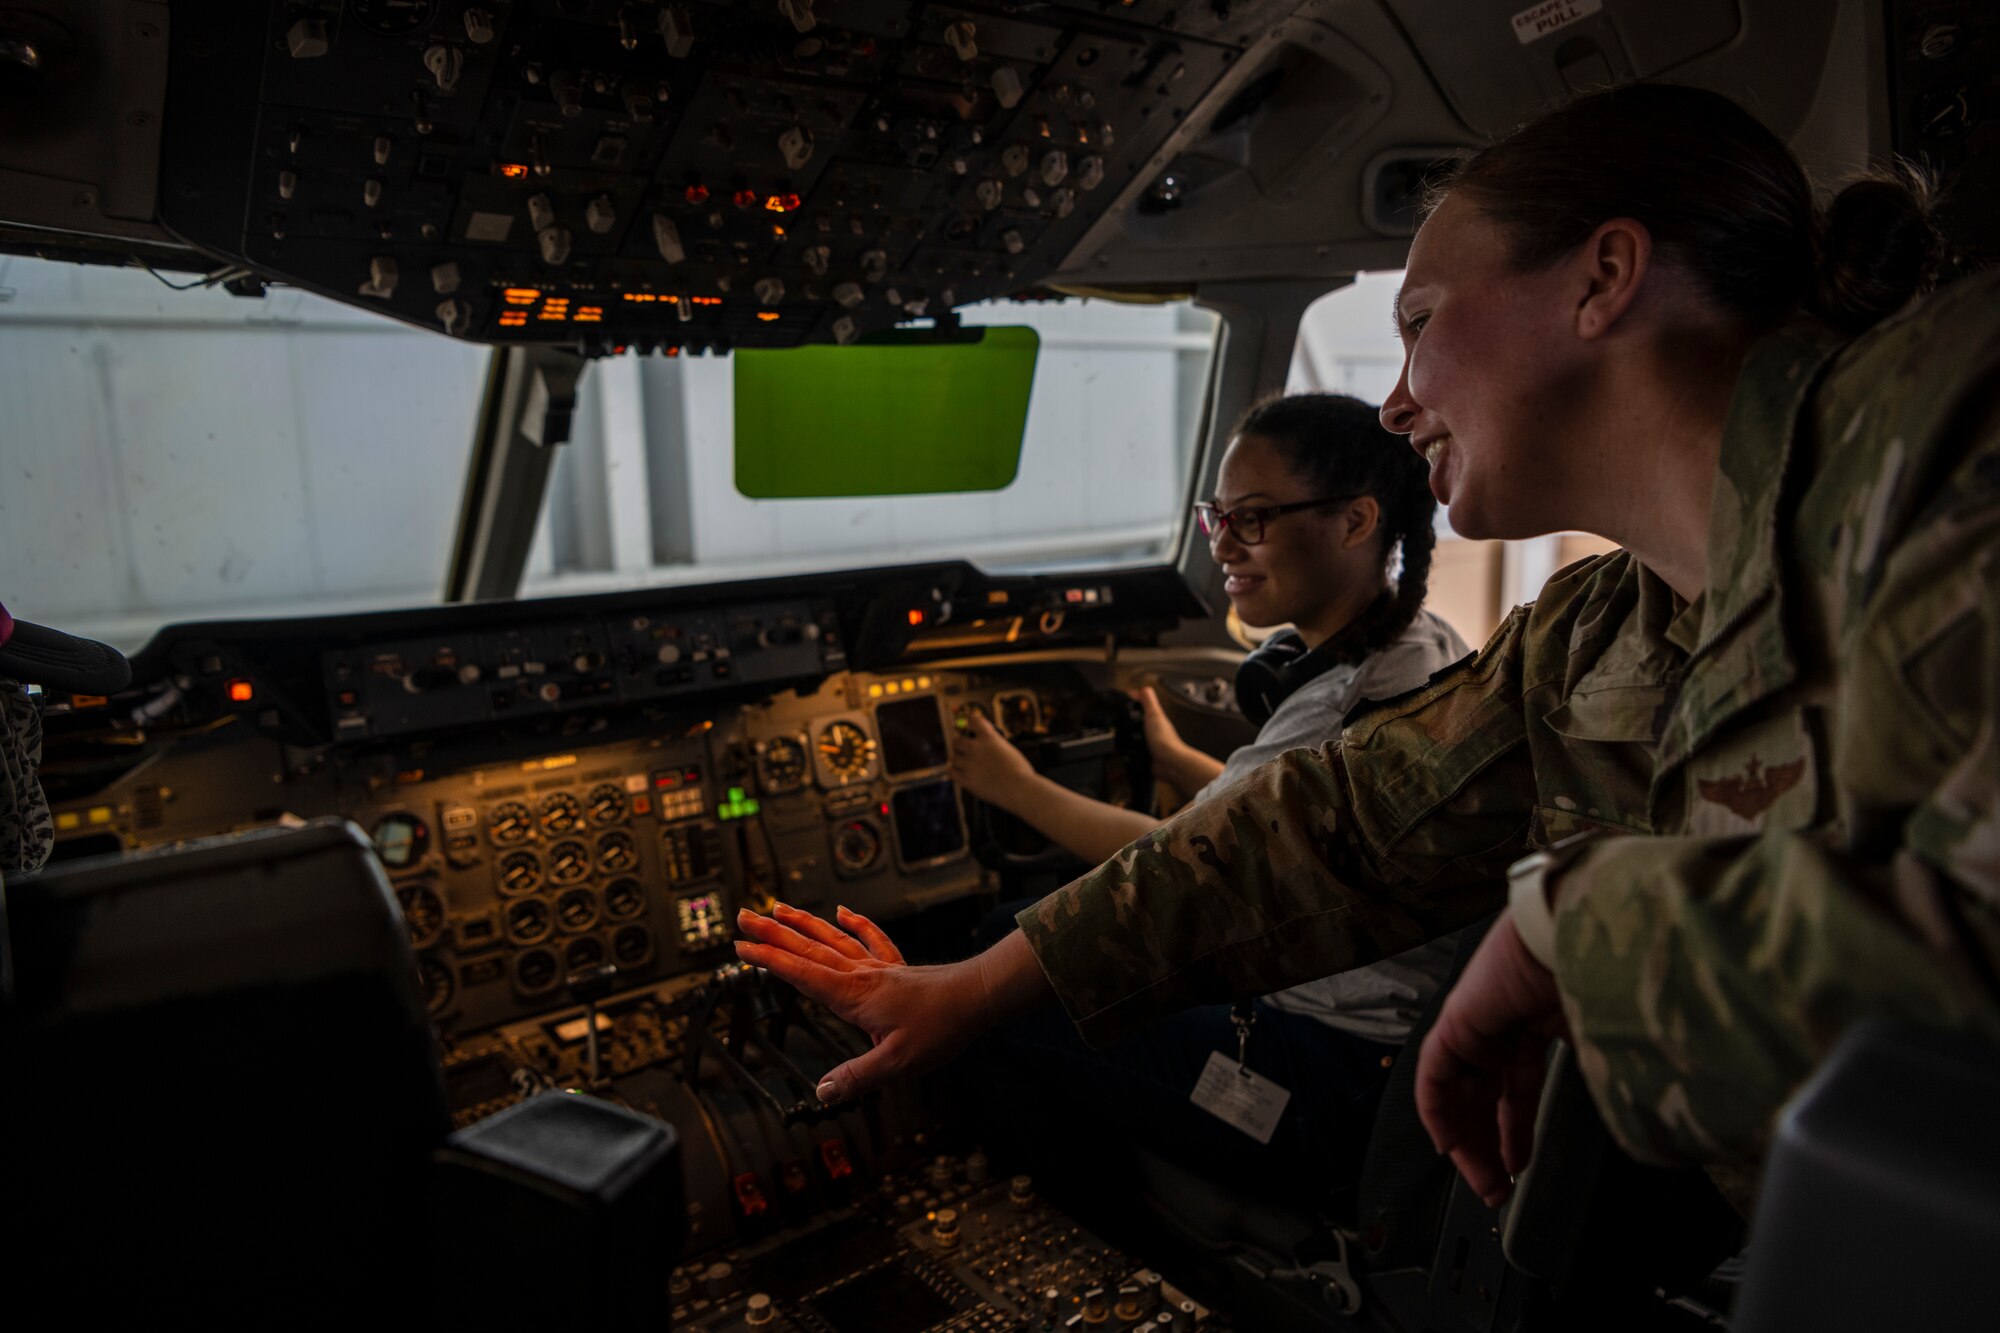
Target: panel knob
column 307, row 39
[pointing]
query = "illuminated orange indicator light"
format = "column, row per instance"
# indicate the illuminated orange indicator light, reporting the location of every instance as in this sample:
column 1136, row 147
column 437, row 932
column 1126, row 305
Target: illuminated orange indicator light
column 513, row 319
column 706, row 300
column 696, row 193
column 916, row 617
column 241, row 692
column 777, row 231
column 590, row 314
column 675, row 350
column 514, row 171
column 520, row 295
column 641, row 296
column 781, row 203
column 745, row 198
column 768, row 316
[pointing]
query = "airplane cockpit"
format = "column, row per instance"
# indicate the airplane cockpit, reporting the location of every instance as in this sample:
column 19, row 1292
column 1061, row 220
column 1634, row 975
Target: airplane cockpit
column 566, row 471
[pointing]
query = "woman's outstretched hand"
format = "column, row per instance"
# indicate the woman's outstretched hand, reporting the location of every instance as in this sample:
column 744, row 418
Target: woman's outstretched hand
column 917, row 1017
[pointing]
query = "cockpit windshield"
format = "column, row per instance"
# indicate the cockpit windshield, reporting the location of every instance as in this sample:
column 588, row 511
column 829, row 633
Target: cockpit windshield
column 195, row 455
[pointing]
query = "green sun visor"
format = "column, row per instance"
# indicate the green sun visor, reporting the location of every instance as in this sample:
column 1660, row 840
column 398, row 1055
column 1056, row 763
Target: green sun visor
column 900, row 415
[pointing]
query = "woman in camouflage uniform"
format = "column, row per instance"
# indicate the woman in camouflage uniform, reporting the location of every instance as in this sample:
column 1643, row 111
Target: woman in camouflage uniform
column 1760, row 740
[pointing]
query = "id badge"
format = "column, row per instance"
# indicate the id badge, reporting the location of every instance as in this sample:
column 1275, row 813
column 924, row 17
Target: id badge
column 1239, row 1098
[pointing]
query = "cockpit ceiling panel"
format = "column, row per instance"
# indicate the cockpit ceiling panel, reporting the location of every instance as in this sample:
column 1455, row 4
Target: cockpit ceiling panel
column 683, row 175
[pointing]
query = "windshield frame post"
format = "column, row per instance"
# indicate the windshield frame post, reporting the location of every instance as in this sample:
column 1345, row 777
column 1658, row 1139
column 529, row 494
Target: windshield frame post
column 525, row 410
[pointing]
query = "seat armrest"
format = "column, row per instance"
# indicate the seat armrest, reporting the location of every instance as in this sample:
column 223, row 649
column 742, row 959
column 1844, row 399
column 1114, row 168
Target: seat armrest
column 581, row 1198
column 1881, row 1199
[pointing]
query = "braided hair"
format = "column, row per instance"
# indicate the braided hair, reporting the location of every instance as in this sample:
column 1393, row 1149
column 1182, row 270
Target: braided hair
column 1337, row 443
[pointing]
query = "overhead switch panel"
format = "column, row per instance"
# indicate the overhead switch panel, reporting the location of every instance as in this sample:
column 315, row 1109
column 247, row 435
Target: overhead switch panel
column 695, row 176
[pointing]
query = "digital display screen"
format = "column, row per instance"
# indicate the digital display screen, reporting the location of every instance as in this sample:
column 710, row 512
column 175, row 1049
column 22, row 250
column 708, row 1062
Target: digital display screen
column 887, row 1298
column 928, row 825
column 912, row 735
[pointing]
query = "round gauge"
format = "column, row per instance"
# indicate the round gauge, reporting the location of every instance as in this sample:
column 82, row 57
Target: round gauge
column 509, row 822
column 631, row 946
column 438, row 987
column 615, row 852
column 624, row 898
column 1020, row 713
column 782, row 764
column 584, row 954
column 568, row 862
column 529, row 920
column 857, row 846
column 562, row 813
column 423, row 914
column 393, row 18
column 577, row 909
column 607, row 804
column 520, row 873
column 962, row 715
column 401, row 840
column 536, row 970
column 846, row 752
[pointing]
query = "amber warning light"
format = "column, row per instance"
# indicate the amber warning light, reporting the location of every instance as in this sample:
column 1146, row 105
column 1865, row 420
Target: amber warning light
column 514, row 171
column 241, row 692
column 916, row 617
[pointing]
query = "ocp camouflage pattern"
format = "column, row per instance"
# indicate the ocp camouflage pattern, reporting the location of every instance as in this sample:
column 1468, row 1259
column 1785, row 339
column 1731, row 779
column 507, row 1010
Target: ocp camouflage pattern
column 1794, row 780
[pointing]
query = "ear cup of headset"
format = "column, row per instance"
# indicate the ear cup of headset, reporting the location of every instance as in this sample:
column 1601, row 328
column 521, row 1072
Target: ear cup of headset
column 1263, row 678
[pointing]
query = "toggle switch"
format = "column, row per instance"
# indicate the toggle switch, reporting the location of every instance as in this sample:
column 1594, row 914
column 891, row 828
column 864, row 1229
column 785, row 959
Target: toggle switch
column 601, row 215
column 795, row 145
column 554, row 243
column 677, row 29
column 963, row 39
column 446, row 278
column 1007, row 87
column 382, row 277
column 307, row 39
column 445, row 63
column 667, row 238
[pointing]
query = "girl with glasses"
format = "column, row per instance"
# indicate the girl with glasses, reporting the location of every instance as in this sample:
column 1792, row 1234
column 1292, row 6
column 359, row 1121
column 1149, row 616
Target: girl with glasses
column 1322, row 522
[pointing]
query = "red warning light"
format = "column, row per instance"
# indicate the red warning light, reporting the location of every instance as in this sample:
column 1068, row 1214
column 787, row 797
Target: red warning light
column 916, row 617
column 241, row 692
column 782, row 203
column 744, row 198
column 696, row 193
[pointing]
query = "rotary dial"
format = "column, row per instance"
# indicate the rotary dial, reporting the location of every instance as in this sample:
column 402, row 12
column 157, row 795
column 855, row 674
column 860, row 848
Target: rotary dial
column 509, row 822
column 624, row 898
column 520, row 872
column 423, row 914
column 607, row 804
column 577, row 909
column 857, row 846
column 568, row 862
column 562, row 813
column 846, row 752
column 783, row 764
column 615, row 852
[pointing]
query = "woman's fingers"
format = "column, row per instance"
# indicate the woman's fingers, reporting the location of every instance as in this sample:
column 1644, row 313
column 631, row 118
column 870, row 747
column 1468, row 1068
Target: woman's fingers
column 870, row 935
column 778, row 935
column 808, row 924
column 813, row 981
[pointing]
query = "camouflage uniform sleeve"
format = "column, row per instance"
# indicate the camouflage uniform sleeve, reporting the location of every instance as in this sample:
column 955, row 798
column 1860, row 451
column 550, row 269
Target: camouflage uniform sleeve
column 1319, row 861
column 1705, row 978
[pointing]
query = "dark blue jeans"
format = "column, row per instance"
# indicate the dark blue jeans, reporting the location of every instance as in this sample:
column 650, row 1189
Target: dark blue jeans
column 1063, row 1101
